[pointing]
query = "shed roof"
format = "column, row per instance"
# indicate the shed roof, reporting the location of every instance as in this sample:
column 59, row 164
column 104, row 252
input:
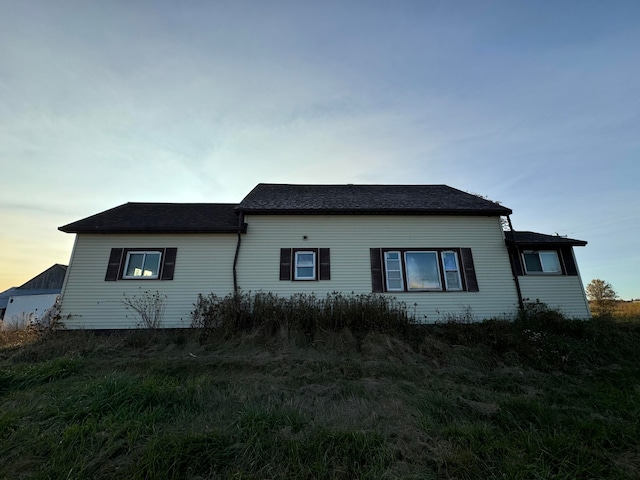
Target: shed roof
column 540, row 239
column 269, row 198
column 135, row 217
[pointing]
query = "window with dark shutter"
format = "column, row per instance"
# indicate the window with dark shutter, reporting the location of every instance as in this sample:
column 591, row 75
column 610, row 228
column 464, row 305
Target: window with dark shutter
column 141, row 264
column 422, row 269
column 305, row 264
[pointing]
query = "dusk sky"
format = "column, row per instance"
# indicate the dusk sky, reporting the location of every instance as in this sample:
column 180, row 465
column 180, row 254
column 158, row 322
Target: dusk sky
column 534, row 104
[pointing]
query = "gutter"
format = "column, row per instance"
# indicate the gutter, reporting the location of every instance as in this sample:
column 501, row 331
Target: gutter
column 515, row 273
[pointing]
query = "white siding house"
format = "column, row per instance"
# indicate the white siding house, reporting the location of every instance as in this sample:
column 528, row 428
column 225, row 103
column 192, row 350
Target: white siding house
column 440, row 251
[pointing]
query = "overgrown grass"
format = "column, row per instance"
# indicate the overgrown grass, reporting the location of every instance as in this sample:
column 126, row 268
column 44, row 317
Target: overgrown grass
column 538, row 397
column 301, row 313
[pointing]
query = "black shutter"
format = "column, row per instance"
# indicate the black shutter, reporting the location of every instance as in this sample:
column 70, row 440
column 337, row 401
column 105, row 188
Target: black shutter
column 169, row 263
column 569, row 262
column 325, row 264
column 376, row 270
column 469, row 270
column 285, row 264
column 113, row 268
column 514, row 258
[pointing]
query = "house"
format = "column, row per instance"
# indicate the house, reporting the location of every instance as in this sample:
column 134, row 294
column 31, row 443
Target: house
column 25, row 305
column 439, row 250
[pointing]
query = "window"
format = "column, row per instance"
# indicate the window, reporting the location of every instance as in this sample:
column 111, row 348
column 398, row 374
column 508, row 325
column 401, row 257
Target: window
column 141, row 264
column 305, row 264
column 422, row 270
column 451, row 269
column 393, row 267
column 541, row 261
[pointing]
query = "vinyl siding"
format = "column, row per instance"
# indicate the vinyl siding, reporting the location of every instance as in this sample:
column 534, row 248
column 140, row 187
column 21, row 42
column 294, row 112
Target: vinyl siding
column 557, row 291
column 351, row 237
column 204, row 264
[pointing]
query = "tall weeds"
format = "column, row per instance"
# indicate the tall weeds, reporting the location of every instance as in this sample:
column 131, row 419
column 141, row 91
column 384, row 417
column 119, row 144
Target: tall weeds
column 300, row 313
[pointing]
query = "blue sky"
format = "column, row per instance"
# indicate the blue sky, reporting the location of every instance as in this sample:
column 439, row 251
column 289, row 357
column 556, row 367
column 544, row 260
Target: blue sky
column 535, row 104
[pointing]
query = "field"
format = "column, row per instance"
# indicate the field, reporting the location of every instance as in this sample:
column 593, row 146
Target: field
column 542, row 397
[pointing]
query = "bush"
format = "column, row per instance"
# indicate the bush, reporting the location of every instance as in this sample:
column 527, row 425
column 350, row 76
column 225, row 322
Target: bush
column 300, row 313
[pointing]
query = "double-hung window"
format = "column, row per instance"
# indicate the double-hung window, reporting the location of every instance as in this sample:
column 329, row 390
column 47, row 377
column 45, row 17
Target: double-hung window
column 541, row 261
column 451, row 268
column 393, row 267
column 305, row 265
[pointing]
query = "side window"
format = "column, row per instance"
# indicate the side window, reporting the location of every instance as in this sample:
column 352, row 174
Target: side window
column 541, row 261
column 393, row 268
column 451, row 268
column 141, row 264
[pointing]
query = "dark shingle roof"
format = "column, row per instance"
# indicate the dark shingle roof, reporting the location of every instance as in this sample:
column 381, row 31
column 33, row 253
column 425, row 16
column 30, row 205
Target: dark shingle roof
column 366, row 199
column 540, row 239
column 160, row 218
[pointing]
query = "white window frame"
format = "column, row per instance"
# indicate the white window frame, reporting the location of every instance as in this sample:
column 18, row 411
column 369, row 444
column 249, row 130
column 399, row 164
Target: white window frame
column 457, row 270
column 401, row 270
column 313, row 253
column 145, row 253
column 543, row 272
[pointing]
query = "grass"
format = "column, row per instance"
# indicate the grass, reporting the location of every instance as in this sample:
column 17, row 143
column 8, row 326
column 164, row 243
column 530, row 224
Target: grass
column 540, row 397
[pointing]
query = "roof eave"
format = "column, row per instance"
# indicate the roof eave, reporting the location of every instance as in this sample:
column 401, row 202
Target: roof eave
column 320, row 211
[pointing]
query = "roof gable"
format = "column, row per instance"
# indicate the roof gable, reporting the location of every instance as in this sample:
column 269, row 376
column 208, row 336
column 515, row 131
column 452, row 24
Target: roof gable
column 160, row 218
column 366, row 199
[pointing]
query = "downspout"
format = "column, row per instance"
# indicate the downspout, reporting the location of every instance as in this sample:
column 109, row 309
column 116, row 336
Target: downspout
column 235, row 258
column 513, row 269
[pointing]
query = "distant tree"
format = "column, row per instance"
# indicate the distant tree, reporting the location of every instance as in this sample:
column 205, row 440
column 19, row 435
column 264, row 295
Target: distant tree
column 602, row 295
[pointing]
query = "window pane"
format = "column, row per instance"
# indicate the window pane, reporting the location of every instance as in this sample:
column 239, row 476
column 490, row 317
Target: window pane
column 393, row 265
column 305, row 272
column 394, row 284
column 151, row 265
column 453, row 281
column 305, row 259
column 550, row 262
column 532, row 262
column 422, row 270
column 134, row 267
column 449, row 260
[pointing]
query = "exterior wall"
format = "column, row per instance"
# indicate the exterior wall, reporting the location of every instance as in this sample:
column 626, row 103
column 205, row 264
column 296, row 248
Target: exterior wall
column 351, row 237
column 562, row 292
column 27, row 309
column 204, row 264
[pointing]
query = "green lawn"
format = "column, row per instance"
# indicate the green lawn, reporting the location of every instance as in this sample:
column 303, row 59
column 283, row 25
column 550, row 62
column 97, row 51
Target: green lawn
column 494, row 400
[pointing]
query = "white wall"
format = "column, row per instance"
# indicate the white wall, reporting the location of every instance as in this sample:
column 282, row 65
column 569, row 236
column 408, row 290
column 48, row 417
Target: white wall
column 203, row 264
column 24, row 310
column 561, row 292
column 351, row 237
